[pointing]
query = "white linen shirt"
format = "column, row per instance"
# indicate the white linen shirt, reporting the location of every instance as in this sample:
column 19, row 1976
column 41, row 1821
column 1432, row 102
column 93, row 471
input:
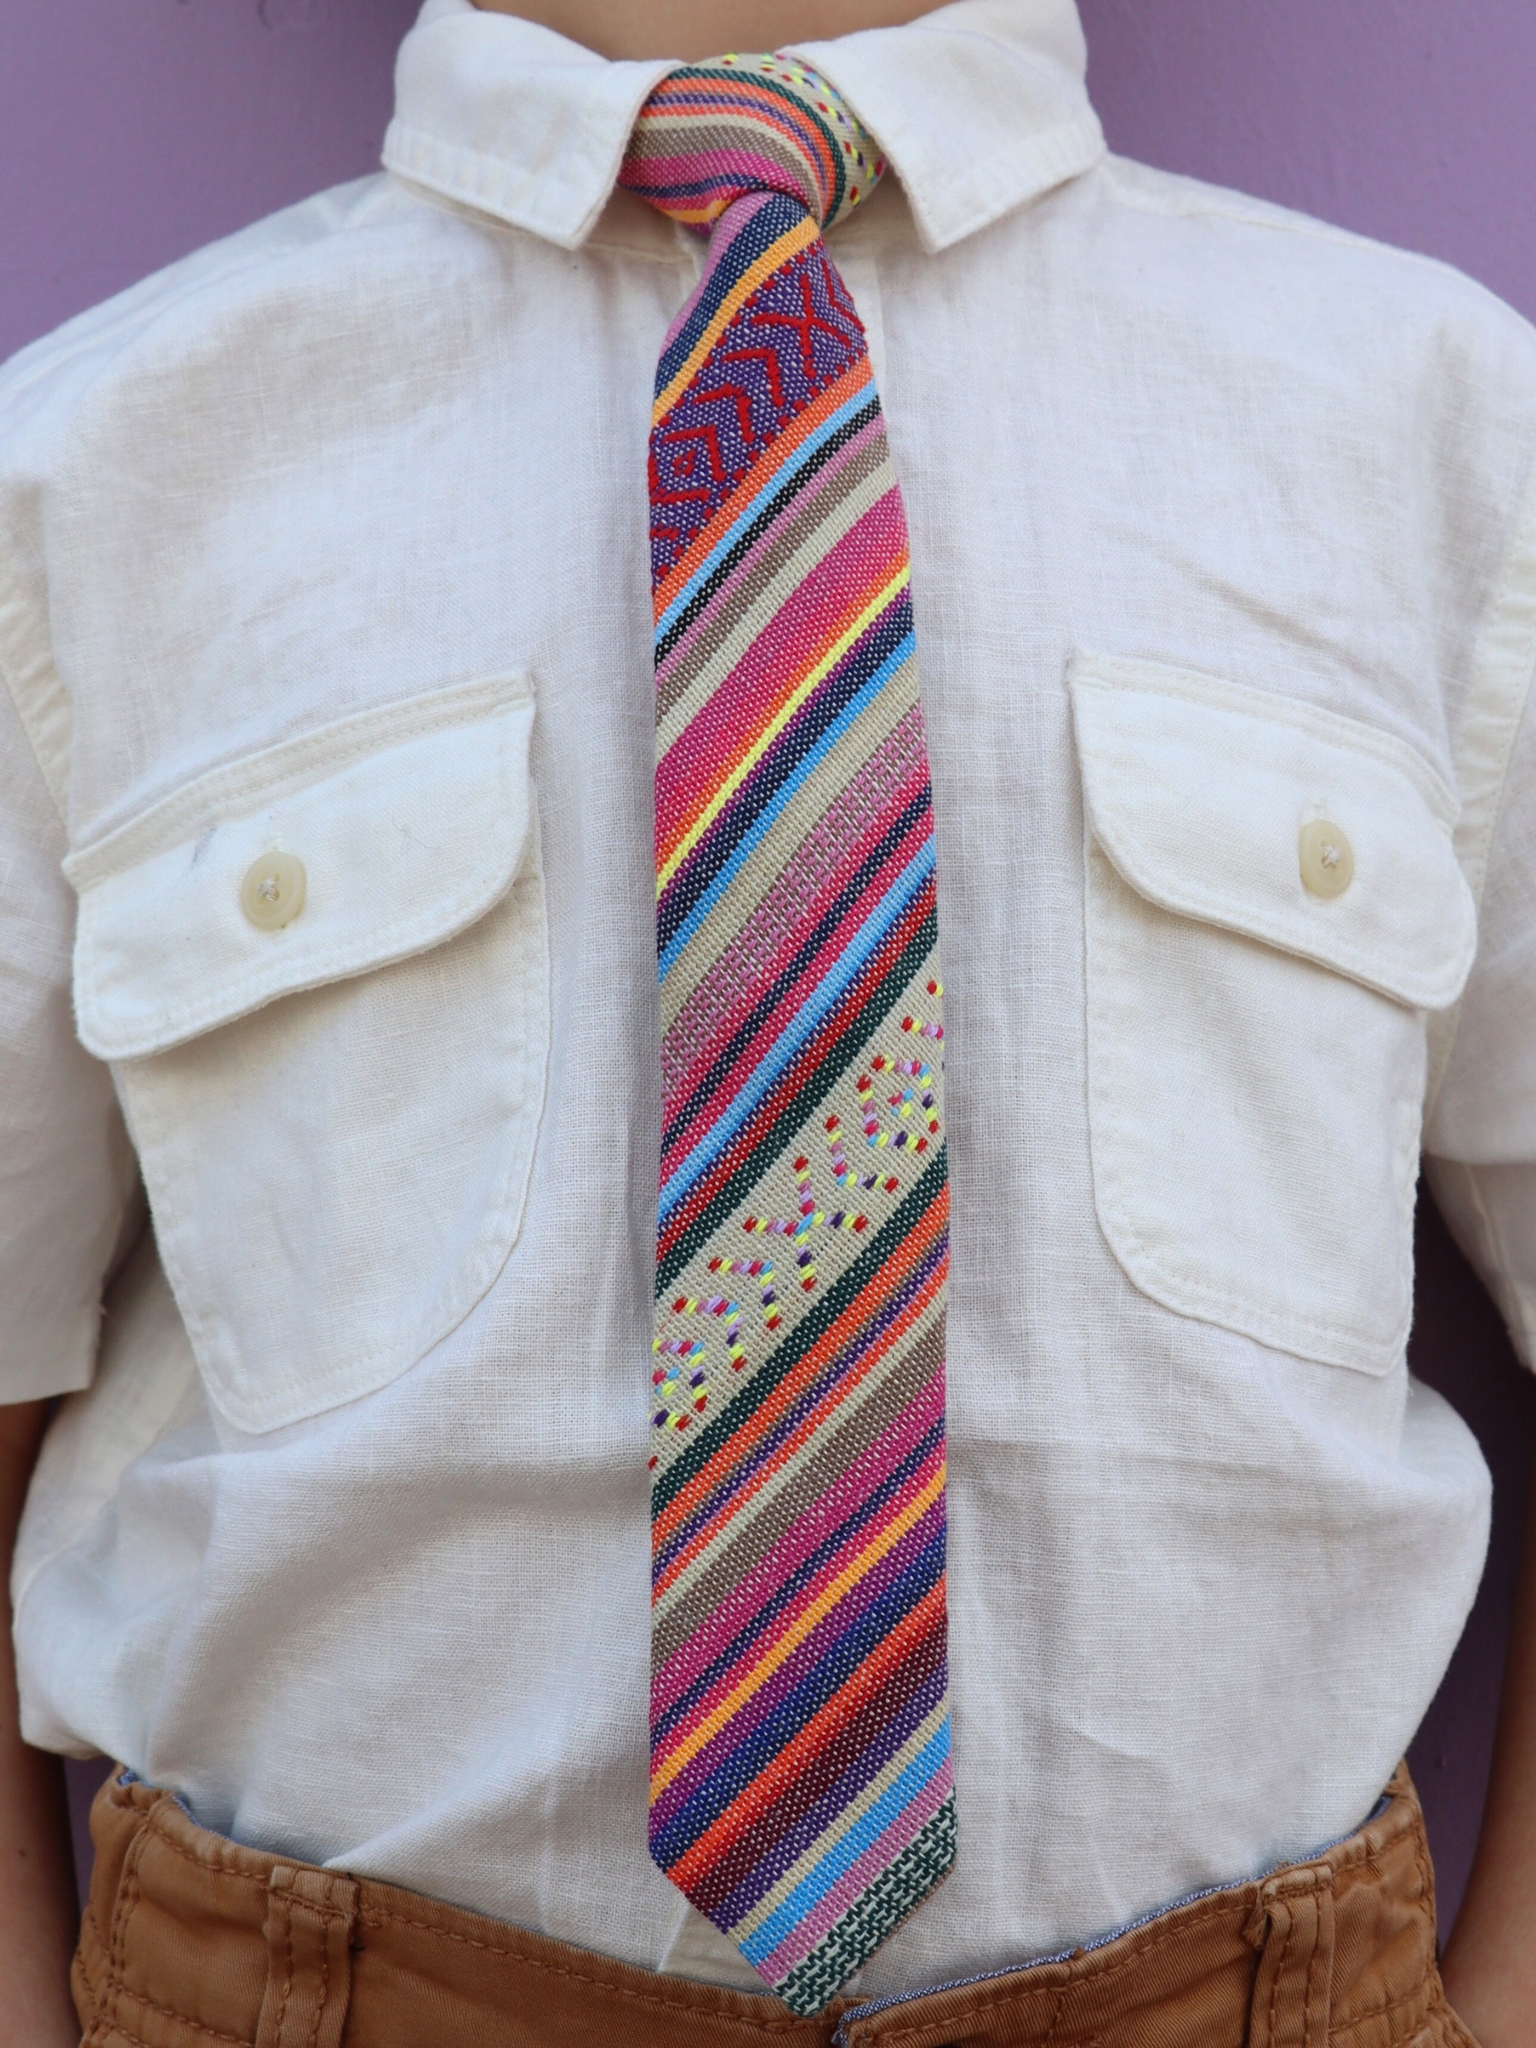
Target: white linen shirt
column 332, row 540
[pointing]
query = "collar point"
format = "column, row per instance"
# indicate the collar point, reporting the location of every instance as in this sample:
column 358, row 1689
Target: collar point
column 948, row 210
column 486, row 185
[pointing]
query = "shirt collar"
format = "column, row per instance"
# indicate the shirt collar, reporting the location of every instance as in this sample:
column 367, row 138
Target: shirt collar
column 979, row 107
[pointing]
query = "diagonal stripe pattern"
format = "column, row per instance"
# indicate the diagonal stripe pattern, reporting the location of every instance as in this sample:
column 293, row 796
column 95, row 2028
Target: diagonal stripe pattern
column 801, row 1782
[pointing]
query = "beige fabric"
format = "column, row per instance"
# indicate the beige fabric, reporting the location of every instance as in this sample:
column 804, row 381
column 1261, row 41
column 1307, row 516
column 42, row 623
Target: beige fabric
column 380, row 1434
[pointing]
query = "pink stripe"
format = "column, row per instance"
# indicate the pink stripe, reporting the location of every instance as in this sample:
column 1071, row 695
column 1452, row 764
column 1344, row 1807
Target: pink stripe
column 810, row 1650
column 739, row 165
column 718, row 1762
column 732, row 718
column 746, row 1601
column 766, row 539
column 747, row 111
column 877, row 1857
column 731, row 1082
column 902, row 756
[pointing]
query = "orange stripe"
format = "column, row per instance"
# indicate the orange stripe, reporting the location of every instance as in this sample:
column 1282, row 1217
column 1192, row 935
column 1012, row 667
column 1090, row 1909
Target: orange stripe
column 836, row 394
column 853, row 1318
column 790, row 1763
column 793, row 242
column 718, row 1523
column 687, row 1739
column 794, row 120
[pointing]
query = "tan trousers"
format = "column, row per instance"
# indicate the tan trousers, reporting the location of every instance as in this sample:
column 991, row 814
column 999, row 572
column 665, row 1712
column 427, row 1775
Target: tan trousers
column 191, row 1941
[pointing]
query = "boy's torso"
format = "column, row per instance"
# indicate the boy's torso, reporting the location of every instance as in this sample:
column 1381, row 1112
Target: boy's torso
column 1205, row 539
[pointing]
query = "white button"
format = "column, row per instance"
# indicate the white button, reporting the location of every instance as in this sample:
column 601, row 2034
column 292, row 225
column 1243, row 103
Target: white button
column 272, row 893
column 1327, row 858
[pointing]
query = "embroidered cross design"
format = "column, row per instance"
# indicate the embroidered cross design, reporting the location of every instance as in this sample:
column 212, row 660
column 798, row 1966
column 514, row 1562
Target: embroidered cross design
column 811, row 321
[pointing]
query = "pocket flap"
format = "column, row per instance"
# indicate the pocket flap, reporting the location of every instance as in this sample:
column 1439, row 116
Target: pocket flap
column 409, row 822
column 1198, row 791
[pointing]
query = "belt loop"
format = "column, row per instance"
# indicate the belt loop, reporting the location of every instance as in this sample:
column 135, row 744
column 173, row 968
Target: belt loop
column 1293, row 1928
column 311, row 1915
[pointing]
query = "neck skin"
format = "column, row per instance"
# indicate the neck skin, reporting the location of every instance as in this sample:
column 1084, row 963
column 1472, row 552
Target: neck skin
column 692, row 29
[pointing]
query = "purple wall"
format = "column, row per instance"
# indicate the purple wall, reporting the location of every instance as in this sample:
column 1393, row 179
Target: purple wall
column 1405, row 119
column 132, row 130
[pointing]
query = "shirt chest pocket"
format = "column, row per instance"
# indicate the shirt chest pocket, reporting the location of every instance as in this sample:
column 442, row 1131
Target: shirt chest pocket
column 321, row 976
column 1272, row 906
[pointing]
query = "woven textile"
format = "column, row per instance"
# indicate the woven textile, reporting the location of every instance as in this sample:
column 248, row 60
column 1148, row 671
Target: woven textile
column 801, row 1784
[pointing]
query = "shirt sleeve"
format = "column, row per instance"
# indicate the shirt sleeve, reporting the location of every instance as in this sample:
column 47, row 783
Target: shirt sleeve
column 67, row 1172
column 1480, row 1139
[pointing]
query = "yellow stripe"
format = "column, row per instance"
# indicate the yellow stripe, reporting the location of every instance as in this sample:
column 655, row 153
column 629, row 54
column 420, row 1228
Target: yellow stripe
column 789, row 244
column 775, row 726
column 796, row 1634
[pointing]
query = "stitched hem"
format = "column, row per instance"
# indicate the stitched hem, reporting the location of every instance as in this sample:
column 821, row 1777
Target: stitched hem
column 119, row 2006
column 117, row 2010
column 292, row 765
column 1109, row 972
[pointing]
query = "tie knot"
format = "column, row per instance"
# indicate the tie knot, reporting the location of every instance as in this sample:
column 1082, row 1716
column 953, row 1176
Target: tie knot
column 713, row 133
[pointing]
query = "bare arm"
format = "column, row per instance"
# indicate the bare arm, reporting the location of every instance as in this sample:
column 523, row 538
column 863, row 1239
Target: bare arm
column 1490, row 1962
column 37, row 1888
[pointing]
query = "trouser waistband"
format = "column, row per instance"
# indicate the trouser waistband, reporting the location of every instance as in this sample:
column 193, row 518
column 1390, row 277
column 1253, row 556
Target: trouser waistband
column 193, row 1941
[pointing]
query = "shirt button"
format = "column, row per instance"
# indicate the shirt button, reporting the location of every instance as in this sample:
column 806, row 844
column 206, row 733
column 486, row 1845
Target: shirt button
column 1327, row 858
column 272, row 893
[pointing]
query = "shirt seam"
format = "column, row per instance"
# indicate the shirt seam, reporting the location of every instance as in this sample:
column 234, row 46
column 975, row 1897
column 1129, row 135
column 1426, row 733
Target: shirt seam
column 43, row 709
column 236, row 788
column 1229, row 204
column 146, row 318
column 1215, row 199
column 1517, row 1308
column 673, row 257
column 1503, row 667
column 1068, row 150
column 1333, row 728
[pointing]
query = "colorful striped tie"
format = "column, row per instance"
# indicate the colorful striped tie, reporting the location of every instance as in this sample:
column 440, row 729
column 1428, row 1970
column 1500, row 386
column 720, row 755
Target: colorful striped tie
column 801, row 1784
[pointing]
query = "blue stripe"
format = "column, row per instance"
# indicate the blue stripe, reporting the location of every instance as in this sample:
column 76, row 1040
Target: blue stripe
column 842, row 1856
column 809, row 1829
column 810, row 938
column 810, row 1014
column 770, row 811
column 801, row 729
column 663, row 1724
column 738, row 1766
column 770, row 225
column 781, row 476
column 688, row 188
